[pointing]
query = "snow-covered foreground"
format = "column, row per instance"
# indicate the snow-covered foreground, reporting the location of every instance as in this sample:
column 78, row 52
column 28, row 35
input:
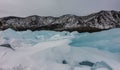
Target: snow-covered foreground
column 49, row 50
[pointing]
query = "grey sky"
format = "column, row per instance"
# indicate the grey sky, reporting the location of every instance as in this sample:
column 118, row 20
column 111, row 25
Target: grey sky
column 55, row 7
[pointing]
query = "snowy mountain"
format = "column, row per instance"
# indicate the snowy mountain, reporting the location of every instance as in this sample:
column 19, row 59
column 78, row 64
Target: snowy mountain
column 102, row 20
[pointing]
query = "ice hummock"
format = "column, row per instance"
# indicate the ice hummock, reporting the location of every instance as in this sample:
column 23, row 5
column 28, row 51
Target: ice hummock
column 50, row 50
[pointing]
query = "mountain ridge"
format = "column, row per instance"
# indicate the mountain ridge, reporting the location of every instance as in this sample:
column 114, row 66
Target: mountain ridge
column 94, row 22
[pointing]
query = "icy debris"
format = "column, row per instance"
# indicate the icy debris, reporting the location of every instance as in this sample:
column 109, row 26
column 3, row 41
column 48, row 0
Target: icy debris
column 50, row 50
column 64, row 62
column 87, row 63
column 99, row 65
column 7, row 46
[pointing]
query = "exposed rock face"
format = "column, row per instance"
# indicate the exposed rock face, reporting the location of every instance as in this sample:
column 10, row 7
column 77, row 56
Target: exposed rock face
column 102, row 20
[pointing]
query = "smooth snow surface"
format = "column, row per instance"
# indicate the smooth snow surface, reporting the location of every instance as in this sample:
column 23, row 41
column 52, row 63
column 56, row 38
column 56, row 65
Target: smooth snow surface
column 50, row 50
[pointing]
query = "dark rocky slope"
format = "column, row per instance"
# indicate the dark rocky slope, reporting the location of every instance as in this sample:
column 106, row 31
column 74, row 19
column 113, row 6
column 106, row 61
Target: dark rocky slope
column 102, row 20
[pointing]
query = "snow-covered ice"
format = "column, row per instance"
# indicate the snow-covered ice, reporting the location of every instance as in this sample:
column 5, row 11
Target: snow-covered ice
column 50, row 50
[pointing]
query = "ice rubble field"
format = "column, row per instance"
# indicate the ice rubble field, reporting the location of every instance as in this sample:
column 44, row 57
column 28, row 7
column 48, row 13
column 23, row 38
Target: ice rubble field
column 50, row 50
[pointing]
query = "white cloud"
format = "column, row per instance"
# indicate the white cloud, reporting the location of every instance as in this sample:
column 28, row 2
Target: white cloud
column 55, row 7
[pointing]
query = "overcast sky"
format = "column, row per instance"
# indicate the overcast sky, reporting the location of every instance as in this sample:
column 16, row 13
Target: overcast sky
column 55, row 7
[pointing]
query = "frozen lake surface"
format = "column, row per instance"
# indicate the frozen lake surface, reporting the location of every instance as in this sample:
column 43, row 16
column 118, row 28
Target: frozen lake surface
column 50, row 50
